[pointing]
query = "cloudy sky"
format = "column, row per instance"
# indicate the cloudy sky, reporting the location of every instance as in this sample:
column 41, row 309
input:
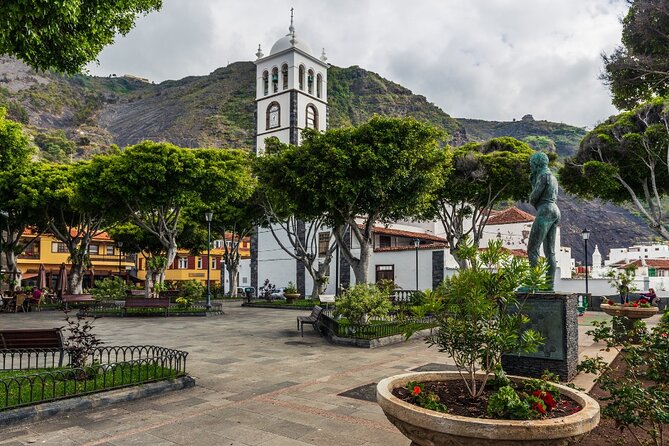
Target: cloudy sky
column 488, row 59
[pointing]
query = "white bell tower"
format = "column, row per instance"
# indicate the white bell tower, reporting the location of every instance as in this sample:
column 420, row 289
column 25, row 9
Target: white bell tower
column 291, row 90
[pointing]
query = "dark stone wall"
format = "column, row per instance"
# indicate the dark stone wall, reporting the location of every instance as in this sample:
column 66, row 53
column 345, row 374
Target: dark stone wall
column 437, row 268
column 254, row 258
column 300, row 269
column 344, row 266
column 293, row 118
column 524, row 365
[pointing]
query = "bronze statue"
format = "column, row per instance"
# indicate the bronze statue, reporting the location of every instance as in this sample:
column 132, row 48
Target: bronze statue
column 544, row 199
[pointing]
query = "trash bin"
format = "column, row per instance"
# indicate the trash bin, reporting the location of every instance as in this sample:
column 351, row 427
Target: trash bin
column 582, row 303
column 250, row 293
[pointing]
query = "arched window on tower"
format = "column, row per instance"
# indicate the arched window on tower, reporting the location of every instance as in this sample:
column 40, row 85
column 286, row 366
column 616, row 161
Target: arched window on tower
column 273, row 118
column 265, row 82
column 310, row 82
column 275, row 80
column 312, row 117
column 284, row 76
column 301, row 77
column 319, row 85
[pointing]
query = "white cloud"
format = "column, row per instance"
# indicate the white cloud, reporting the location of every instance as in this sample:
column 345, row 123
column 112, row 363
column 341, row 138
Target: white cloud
column 489, row 59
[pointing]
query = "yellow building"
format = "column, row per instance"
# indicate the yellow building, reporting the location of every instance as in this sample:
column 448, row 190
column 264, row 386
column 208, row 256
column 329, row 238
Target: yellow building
column 106, row 258
column 189, row 267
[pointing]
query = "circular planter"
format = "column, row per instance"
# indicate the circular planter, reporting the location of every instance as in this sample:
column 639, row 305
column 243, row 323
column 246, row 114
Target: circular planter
column 429, row 428
column 628, row 312
column 290, row 298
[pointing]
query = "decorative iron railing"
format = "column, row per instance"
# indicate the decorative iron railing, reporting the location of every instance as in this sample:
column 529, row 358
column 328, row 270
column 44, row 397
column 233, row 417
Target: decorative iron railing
column 375, row 328
column 32, row 376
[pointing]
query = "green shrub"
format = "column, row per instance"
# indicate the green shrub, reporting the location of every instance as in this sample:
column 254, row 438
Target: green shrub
column 290, row 289
column 362, row 301
column 506, row 404
column 640, row 397
column 192, row 290
column 113, row 288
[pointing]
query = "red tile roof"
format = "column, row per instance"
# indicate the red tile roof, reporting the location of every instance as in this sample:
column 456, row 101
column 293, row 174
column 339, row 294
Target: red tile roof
column 509, row 216
column 411, row 247
column 409, row 234
column 652, row 263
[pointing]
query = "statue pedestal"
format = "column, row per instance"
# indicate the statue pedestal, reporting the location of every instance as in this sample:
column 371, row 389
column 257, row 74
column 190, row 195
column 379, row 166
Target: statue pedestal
column 554, row 315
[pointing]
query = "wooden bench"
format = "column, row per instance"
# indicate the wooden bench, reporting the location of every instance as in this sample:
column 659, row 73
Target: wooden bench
column 312, row 319
column 78, row 299
column 50, row 339
column 140, row 302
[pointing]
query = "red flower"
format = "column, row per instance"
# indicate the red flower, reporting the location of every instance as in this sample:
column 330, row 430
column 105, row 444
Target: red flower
column 416, row 391
column 546, row 397
column 643, row 301
column 635, row 304
column 539, row 408
column 610, row 302
column 664, row 335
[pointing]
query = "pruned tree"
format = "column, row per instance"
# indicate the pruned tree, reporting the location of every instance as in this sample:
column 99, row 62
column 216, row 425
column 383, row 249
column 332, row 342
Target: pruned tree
column 149, row 184
column 66, row 196
column 625, row 159
column 476, row 177
column 229, row 190
column 66, row 35
column 19, row 207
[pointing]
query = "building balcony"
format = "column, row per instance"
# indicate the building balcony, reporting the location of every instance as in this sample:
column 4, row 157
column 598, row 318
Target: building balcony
column 110, row 258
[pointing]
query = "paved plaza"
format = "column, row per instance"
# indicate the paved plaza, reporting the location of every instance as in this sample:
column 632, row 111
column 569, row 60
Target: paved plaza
column 258, row 383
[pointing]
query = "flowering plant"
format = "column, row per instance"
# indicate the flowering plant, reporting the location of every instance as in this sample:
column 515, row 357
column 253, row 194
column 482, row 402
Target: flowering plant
column 637, row 400
column 424, row 399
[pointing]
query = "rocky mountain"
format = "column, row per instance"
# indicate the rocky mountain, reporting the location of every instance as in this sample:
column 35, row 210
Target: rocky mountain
column 75, row 117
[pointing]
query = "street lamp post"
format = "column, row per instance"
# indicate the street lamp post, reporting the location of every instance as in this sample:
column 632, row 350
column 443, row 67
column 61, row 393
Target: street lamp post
column 416, row 244
column 585, row 235
column 120, row 245
column 208, row 216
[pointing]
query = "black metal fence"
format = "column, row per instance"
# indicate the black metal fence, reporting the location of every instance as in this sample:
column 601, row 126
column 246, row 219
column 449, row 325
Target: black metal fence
column 32, row 376
column 375, row 328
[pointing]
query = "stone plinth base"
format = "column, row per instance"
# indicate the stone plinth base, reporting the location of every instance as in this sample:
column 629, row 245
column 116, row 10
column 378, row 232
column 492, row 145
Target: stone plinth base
column 555, row 316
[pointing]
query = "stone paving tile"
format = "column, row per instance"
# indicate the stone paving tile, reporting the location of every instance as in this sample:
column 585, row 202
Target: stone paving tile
column 141, row 439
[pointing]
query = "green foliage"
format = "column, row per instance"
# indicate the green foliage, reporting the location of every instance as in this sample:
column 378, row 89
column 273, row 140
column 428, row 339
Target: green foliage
column 290, row 289
column 113, row 288
column 474, row 179
column 192, row 290
column 426, row 400
column 184, row 303
column 638, row 394
column 506, row 404
column 387, row 286
column 362, row 301
column 481, row 318
column 624, row 160
column 637, row 70
column 66, row 35
column 540, row 143
column 55, row 146
column 623, row 280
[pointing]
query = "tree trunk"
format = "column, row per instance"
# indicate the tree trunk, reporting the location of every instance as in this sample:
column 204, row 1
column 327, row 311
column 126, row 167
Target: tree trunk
column 233, row 269
column 148, row 283
column 13, row 271
column 361, row 267
column 76, row 278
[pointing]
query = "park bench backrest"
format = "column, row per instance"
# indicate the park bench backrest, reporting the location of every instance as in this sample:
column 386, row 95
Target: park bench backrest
column 316, row 312
column 140, row 302
column 78, row 298
column 31, row 338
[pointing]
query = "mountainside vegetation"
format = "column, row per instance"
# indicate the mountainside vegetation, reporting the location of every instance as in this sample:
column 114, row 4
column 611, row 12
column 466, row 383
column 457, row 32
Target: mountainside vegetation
column 546, row 136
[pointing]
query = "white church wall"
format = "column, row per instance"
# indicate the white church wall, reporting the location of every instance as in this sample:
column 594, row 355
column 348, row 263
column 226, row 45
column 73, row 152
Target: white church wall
column 274, row 263
column 404, row 264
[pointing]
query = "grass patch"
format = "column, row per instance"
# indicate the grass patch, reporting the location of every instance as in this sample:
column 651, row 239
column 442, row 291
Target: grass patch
column 144, row 311
column 301, row 303
column 25, row 387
